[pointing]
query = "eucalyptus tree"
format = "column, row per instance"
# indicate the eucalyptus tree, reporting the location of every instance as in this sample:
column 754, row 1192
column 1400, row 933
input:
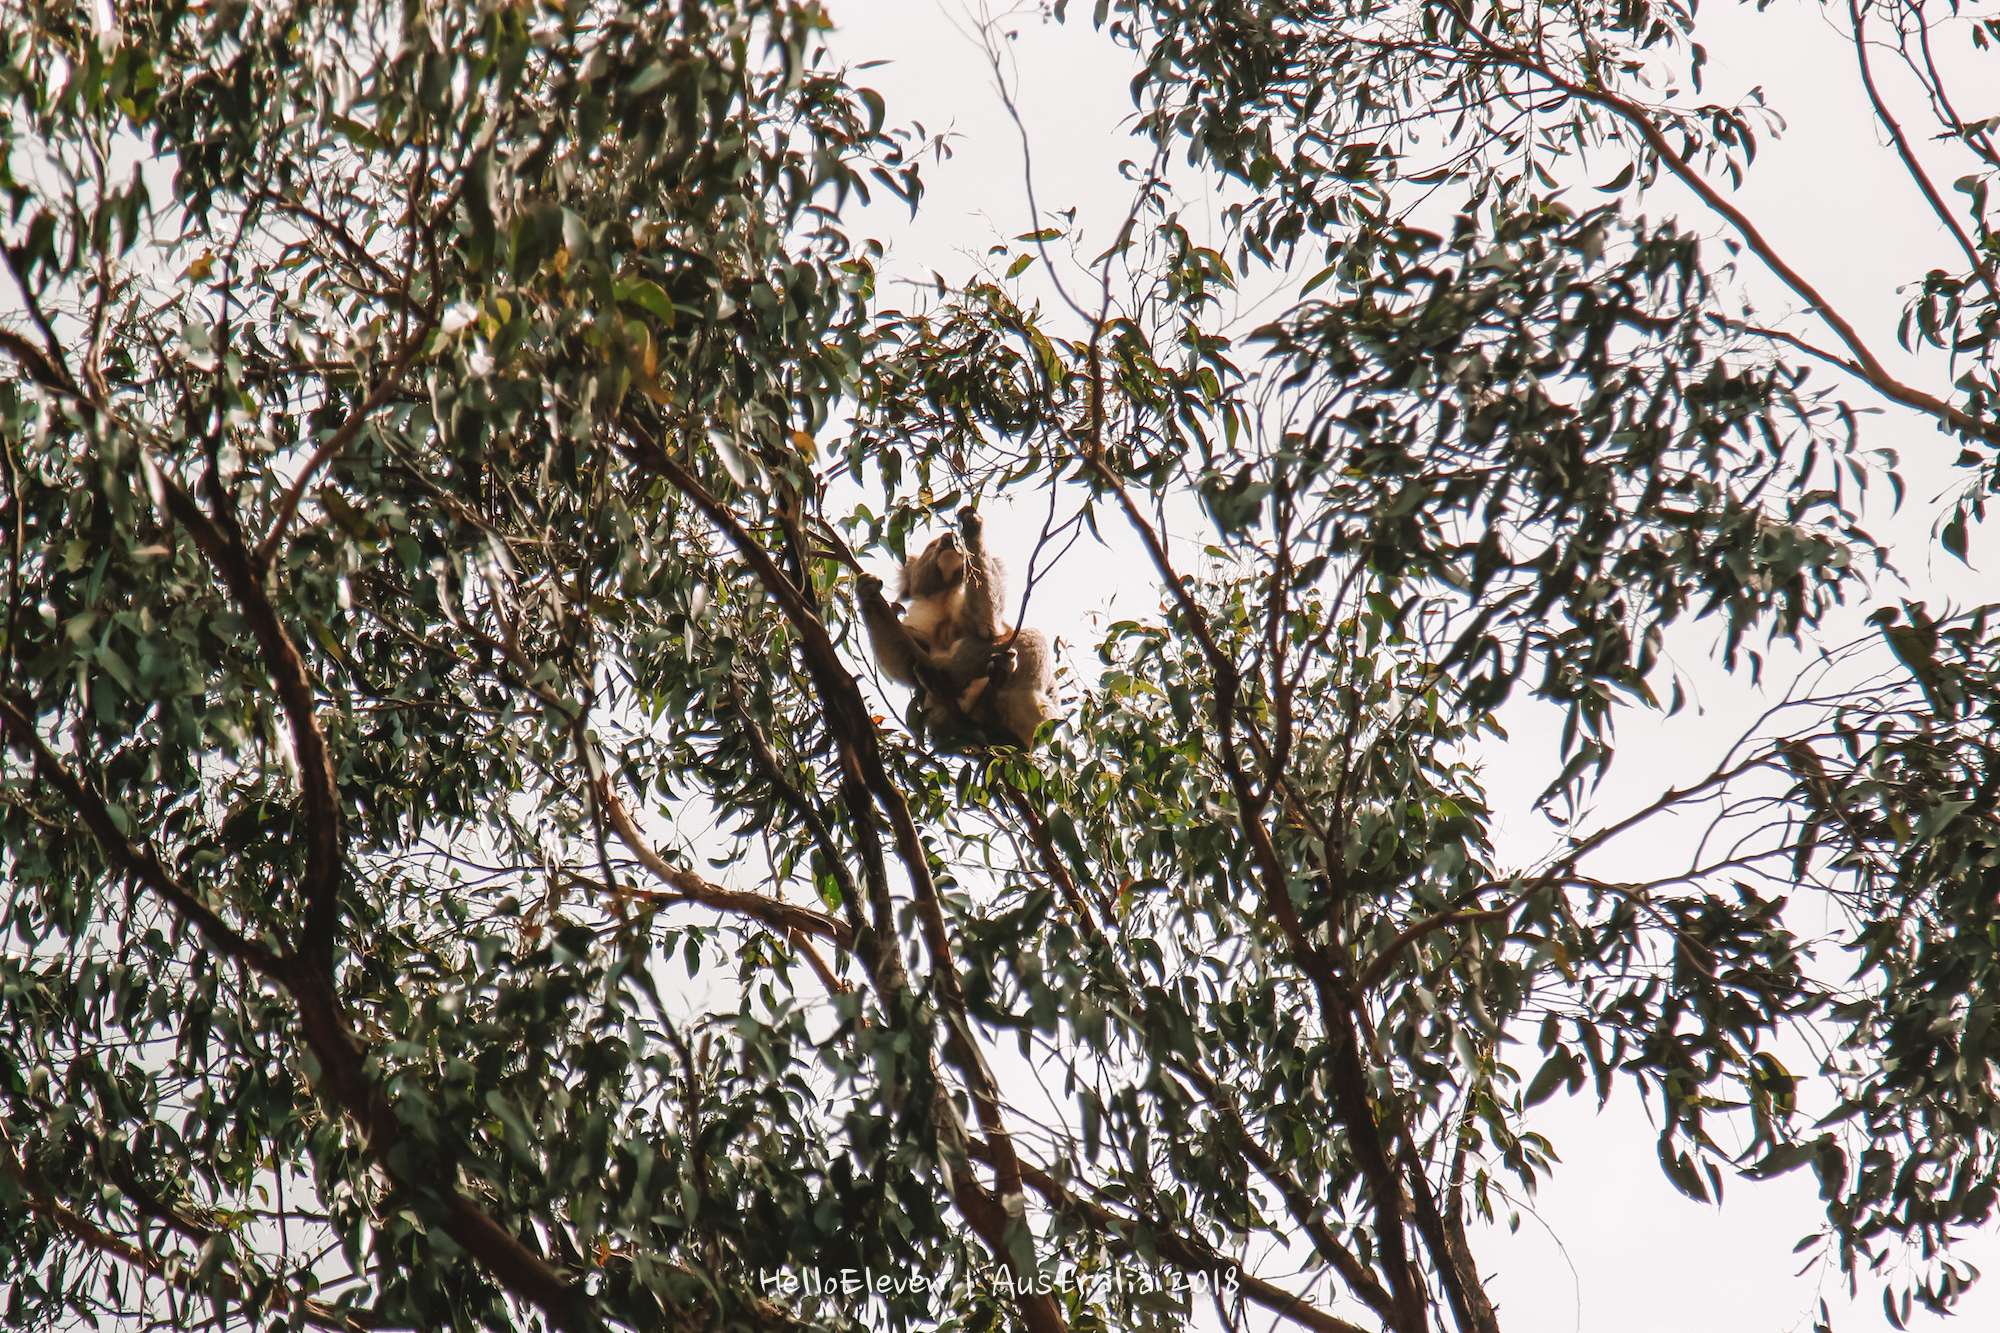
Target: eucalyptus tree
column 438, row 439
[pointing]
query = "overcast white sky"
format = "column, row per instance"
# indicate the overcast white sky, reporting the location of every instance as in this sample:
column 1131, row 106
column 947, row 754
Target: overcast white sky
column 1610, row 1247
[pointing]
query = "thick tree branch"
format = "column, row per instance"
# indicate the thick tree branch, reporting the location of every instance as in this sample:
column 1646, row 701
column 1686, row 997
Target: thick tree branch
column 320, row 885
column 1457, row 1271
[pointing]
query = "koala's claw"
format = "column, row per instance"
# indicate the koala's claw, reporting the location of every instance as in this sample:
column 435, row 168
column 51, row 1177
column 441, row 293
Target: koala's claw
column 969, row 521
column 1003, row 663
column 868, row 585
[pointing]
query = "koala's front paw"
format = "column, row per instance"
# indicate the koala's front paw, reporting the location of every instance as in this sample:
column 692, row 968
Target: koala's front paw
column 1002, row 663
column 869, row 587
column 970, row 523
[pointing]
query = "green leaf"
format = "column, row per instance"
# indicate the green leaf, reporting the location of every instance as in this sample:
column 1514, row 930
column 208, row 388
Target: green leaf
column 1558, row 1069
column 647, row 79
column 1953, row 536
column 648, row 296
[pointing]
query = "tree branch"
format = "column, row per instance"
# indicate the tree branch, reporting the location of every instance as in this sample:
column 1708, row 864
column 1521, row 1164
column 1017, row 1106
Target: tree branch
column 795, row 800
column 338, row 1062
column 1304, row 1211
column 320, row 885
column 1867, row 365
column 1470, row 1305
column 40, row 369
column 1378, row 967
column 1338, row 1005
column 1981, row 265
column 52, row 356
column 335, row 443
column 779, row 915
column 1122, row 1235
column 847, row 718
column 127, row 859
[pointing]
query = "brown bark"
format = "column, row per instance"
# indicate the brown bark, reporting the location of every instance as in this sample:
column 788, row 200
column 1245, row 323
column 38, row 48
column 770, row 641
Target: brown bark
column 320, row 885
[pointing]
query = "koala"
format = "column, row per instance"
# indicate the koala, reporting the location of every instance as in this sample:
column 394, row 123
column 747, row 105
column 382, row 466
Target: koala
column 977, row 680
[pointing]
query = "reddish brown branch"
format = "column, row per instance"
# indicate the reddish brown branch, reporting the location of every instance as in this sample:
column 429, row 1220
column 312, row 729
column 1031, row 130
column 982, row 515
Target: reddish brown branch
column 779, row 915
column 834, row 985
column 320, row 884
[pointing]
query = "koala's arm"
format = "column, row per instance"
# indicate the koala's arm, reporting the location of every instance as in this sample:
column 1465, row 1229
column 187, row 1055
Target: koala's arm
column 980, row 618
column 897, row 651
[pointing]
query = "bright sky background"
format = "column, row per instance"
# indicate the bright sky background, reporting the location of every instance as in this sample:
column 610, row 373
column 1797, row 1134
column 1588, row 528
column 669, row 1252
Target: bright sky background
column 1609, row 1246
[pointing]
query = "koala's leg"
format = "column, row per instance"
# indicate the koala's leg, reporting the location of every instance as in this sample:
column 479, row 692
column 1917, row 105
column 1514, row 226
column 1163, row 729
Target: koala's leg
column 990, row 667
column 1022, row 698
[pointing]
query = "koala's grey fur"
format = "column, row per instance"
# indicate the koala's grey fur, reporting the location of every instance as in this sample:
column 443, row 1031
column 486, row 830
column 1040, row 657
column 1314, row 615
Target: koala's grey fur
column 974, row 676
